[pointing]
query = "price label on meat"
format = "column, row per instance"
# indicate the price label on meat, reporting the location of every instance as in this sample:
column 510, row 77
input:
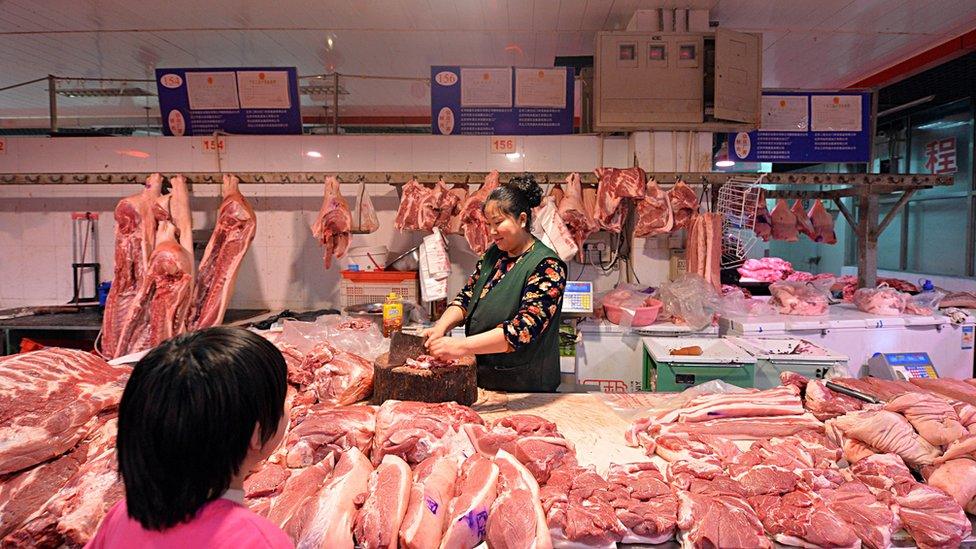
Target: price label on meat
column 214, row 145
column 503, row 145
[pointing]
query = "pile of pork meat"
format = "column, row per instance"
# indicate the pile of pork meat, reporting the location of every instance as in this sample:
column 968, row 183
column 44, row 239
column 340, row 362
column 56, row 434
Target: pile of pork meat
column 823, row 469
column 580, row 211
column 799, row 465
column 157, row 289
column 786, row 223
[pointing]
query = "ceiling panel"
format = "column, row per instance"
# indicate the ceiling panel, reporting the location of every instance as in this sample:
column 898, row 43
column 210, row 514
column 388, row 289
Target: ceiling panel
column 824, row 43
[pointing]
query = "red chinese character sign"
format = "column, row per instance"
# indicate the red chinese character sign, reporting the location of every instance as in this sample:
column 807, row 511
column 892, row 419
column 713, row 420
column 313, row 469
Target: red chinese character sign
column 940, row 156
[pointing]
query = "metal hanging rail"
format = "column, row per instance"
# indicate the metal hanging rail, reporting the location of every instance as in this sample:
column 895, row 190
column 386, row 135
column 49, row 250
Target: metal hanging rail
column 866, row 188
column 882, row 184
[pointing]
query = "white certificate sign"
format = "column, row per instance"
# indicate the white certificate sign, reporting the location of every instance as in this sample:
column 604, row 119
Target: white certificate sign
column 263, row 89
column 785, row 113
column 836, row 113
column 486, row 87
column 540, row 88
column 212, row 90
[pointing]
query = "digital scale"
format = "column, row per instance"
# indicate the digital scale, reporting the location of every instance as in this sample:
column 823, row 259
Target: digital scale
column 902, row 366
column 578, row 297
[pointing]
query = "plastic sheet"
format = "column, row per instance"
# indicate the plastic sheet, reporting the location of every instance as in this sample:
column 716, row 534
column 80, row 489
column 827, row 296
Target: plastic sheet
column 364, row 218
column 633, row 405
column 801, row 298
column 690, row 300
column 353, row 335
column 880, row 301
column 735, row 302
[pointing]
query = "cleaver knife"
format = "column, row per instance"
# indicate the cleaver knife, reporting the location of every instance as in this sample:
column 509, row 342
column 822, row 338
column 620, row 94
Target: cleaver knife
column 404, row 346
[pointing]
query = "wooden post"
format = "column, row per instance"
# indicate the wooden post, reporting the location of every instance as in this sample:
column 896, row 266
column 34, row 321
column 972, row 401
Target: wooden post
column 867, row 239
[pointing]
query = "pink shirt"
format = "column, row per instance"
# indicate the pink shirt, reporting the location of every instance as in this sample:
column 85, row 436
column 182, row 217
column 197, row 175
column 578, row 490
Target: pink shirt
column 220, row 523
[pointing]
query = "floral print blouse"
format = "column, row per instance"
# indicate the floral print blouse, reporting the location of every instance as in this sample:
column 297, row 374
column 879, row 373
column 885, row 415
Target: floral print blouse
column 541, row 297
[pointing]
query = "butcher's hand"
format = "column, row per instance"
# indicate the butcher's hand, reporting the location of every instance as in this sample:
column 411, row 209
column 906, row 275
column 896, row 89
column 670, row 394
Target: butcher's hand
column 431, row 334
column 448, row 348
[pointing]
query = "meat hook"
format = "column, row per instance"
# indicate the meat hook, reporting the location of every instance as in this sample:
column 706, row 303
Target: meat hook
column 209, row 179
column 259, row 178
column 35, row 179
column 9, row 179
column 80, row 178
column 129, row 178
column 57, row 179
column 104, row 179
column 286, row 178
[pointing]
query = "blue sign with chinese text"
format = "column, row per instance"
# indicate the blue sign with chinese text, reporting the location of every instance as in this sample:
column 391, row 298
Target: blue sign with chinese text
column 259, row 101
column 808, row 127
column 501, row 100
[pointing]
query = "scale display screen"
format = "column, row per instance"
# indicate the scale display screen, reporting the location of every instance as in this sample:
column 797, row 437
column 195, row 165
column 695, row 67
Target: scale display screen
column 578, row 297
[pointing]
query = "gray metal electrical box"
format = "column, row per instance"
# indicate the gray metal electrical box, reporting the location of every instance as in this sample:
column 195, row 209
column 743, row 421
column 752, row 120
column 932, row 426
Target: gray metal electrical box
column 677, row 81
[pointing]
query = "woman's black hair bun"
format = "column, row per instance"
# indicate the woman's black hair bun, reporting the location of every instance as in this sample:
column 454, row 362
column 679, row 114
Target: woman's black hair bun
column 527, row 186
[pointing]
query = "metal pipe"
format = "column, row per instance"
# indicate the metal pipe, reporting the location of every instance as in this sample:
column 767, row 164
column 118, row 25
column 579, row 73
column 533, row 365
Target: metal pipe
column 335, row 103
column 52, row 98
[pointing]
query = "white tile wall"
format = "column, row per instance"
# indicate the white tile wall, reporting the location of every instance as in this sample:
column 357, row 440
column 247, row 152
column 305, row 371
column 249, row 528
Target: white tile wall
column 283, row 267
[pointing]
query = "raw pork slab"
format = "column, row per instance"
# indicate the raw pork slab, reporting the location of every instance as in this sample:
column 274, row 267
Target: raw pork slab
column 934, row 418
column 888, row 432
column 334, row 510
column 872, row 520
column 71, row 517
column 802, row 519
column 408, row 217
column 431, row 493
column 474, row 493
column 327, row 429
column 294, row 508
column 333, row 225
column 644, row 503
column 418, row 430
column 164, row 295
column 135, row 237
column 229, row 242
column 473, row 223
column 516, row 519
column 48, row 403
column 388, row 492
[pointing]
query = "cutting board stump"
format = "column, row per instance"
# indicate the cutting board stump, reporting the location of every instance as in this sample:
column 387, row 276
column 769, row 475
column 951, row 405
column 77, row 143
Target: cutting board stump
column 441, row 385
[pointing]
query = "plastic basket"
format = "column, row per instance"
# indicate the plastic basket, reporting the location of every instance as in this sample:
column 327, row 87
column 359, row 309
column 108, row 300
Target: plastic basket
column 359, row 287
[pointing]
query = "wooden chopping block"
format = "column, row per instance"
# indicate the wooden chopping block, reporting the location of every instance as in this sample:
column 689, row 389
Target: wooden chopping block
column 438, row 385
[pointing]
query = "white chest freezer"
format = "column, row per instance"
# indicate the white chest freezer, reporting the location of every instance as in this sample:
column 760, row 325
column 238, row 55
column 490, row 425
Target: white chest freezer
column 859, row 335
column 612, row 357
column 777, row 355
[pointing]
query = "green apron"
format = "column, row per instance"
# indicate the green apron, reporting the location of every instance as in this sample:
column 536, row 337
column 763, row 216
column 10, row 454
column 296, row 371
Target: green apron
column 534, row 367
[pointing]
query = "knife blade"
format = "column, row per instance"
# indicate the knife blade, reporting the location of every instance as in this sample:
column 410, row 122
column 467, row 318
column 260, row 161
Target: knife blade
column 404, row 346
column 851, row 392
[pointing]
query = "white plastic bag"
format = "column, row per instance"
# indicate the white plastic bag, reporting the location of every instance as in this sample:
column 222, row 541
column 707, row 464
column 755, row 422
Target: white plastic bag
column 364, row 218
column 801, row 298
column 354, row 335
column 690, row 300
column 550, row 228
column 435, row 267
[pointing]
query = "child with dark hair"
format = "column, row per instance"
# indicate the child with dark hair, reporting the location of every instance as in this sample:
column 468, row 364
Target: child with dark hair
column 199, row 412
